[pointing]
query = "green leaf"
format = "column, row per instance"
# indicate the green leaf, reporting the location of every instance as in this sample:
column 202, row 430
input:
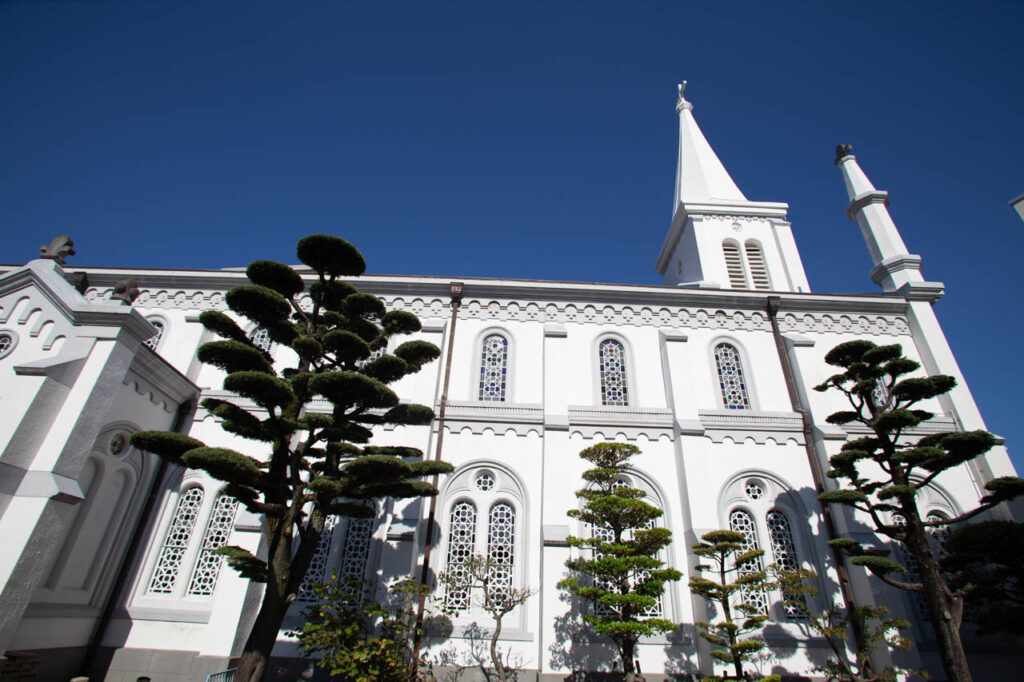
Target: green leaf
column 353, row 388
column 361, row 305
column 222, row 325
column 165, row 444
column 847, row 497
column 224, row 464
column 409, row 414
column 330, row 255
column 878, row 564
column 372, row 467
column 261, row 305
column 242, row 560
column 236, row 420
column 882, row 354
column 400, row 322
column 430, row 467
column 1003, row 489
column 263, row 389
column 387, row 368
column 307, row 348
column 845, row 354
column 417, row 353
column 843, row 417
column 234, row 356
column 276, row 276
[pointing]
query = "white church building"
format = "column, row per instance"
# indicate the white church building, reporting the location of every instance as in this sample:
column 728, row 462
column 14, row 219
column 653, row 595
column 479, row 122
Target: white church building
column 108, row 560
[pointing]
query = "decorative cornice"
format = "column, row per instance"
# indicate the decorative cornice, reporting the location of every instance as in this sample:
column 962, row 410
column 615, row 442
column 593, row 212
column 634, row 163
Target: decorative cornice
column 739, row 425
column 940, row 423
column 875, row 196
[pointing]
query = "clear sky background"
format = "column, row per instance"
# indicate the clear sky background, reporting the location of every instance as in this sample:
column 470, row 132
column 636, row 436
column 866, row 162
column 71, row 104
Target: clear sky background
column 520, row 139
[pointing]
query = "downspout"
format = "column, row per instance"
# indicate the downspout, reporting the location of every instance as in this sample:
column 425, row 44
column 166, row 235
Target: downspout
column 814, row 462
column 428, row 541
column 182, row 415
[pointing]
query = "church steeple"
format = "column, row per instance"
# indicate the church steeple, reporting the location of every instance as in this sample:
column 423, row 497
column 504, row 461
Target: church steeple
column 718, row 238
column 895, row 267
column 700, row 175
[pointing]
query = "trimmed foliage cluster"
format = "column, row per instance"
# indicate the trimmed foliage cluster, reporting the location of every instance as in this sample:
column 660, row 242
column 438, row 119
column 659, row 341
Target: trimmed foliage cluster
column 881, row 474
column 312, row 463
column 736, row 573
column 621, row 573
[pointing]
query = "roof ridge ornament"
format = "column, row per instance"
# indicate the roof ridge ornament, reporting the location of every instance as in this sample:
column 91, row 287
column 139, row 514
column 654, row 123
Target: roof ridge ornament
column 60, row 248
column 681, row 103
column 842, row 151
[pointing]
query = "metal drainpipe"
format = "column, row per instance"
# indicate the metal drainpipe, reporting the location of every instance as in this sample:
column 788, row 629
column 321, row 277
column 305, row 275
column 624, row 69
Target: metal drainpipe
column 100, row 630
column 428, row 541
column 814, row 460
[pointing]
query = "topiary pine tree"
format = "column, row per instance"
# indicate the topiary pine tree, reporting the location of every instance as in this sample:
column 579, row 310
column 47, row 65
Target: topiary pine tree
column 624, row 577
column 737, row 572
column 315, row 464
column 986, row 560
column 883, row 472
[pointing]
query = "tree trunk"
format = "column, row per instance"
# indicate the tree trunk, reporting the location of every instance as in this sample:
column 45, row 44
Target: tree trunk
column 628, row 650
column 495, row 658
column 944, row 607
column 262, row 637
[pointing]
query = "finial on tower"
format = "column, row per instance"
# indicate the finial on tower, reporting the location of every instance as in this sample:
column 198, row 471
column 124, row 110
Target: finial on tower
column 842, row 151
column 681, row 103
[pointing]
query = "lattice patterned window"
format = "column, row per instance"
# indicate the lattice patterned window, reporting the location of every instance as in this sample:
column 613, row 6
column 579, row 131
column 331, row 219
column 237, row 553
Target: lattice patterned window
column 734, row 264
column 494, row 368
column 742, row 522
column 154, row 340
column 485, row 481
column 758, row 268
column 501, row 548
column 317, row 570
column 730, row 378
column 461, row 545
column 612, row 366
column 260, row 337
column 218, row 529
column 172, row 552
column 357, row 549
column 607, row 535
column 753, row 489
column 370, row 358
column 784, row 553
column 880, row 394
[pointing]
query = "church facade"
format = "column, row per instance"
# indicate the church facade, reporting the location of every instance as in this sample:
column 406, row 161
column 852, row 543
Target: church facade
column 110, row 559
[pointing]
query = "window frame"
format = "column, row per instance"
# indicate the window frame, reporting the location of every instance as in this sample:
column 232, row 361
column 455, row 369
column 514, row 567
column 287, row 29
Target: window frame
column 630, row 374
column 510, row 366
column 745, row 368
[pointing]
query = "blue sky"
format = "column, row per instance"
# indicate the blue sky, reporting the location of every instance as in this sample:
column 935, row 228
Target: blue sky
column 526, row 139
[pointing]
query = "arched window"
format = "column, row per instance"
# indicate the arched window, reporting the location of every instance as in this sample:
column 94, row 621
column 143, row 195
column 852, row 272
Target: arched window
column 780, row 534
column 218, row 530
column 730, row 378
column 758, row 268
column 734, row 264
column 494, row 368
column 742, row 522
column 179, row 534
column 354, row 555
column 880, row 394
column 612, row 368
column 260, row 337
column 154, row 340
column 501, row 547
column 461, row 546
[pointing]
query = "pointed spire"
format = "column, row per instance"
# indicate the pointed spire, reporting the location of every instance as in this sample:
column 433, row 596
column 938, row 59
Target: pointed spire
column 895, row 266
column 700, row 176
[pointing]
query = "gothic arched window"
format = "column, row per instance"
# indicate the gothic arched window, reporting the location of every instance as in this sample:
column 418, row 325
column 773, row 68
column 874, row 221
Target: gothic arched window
column 501, row 547
column 154, row 340
column 179, row 535
column 612, row 368
column 742, row 522
column 461, row 546
column 734, row 264
column 758, row 268
column 780, row 534
column 494, row 368
column 730, row 378
column 218, row 530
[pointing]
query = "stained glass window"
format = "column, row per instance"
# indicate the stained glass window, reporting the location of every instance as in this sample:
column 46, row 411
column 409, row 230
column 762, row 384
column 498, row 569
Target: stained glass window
column 494, row 368
column 260, row 337
column 741, row 522
column 784, row 553
column 461, row 543
column 612, row 366
column 501, row 543
column 317, row 570
column 485, row 481
column 753, row 489
column 154, row 340
column 168, row 562
column 730, row 377
column 218, row 529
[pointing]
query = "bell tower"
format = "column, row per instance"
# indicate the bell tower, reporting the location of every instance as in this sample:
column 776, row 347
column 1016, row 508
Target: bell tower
column 719, row 239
